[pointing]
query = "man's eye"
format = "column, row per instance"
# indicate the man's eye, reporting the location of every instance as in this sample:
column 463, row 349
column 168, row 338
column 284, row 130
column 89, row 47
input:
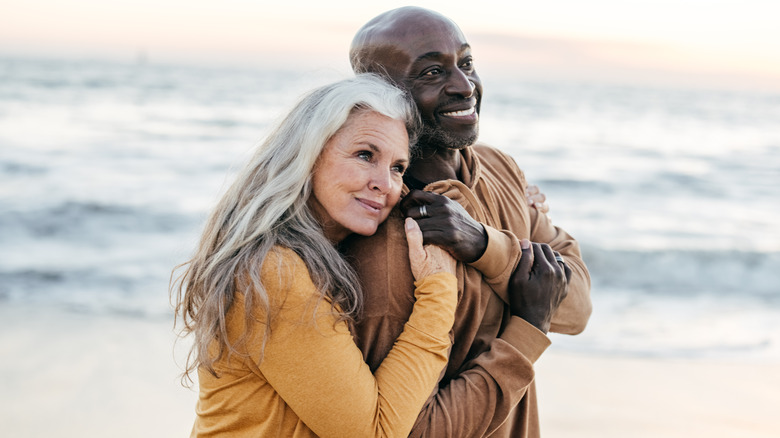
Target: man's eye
column 432, row 72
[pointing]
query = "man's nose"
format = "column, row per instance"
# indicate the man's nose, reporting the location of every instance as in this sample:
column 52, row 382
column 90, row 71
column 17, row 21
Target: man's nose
column 459, row 83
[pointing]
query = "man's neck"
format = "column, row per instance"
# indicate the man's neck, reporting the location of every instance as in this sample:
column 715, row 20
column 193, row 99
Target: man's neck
column 432, row 164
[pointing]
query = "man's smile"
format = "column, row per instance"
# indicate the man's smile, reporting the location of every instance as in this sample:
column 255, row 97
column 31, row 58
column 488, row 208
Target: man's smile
column 461, row 113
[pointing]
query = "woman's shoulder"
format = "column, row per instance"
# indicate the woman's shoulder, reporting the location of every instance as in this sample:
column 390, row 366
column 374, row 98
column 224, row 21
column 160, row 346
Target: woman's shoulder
column 285, row 271
column 281, row 260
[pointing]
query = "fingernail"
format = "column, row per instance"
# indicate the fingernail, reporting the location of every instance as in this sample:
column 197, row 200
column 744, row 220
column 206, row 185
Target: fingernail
column 409, row 224
column 525, row 244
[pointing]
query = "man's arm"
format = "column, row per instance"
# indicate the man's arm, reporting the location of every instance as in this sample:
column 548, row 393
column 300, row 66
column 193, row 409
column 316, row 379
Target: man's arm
column 508, row 188
column 496, row 252
column 573, row 314
column 496, row 380
column 481, row 398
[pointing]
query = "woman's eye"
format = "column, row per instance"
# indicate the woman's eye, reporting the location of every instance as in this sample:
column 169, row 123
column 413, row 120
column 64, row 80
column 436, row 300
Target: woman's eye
column 365, row 155
column 400, row 168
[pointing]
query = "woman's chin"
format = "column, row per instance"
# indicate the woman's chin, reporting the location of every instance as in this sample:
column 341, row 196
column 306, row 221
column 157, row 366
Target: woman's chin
column 366, row 233
column 366, row 230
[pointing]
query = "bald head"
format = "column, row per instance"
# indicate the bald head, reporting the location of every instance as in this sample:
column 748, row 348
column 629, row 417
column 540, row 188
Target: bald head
column 382, row 45
column 425, row 53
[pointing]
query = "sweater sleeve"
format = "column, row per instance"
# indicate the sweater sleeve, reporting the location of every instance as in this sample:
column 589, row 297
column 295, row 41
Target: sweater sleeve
column 572, row 315
column 312, row 362
column 503, row 253
column 495, row 382
column 499, row 260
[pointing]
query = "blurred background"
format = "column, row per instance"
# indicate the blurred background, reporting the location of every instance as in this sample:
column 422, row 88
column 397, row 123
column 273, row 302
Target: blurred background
column 652, row 127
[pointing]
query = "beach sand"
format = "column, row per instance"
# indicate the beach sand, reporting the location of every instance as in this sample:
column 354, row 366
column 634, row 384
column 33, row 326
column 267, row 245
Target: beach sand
column 600, row 396
column 69, row 374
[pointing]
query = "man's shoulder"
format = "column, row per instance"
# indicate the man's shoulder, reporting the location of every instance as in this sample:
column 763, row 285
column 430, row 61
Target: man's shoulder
column 484, row 148
column 389, row 232
column 493, row 158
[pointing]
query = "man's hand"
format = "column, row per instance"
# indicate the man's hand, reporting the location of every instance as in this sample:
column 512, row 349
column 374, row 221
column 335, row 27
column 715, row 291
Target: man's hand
column 538, row 284
column 536, row 198
column 446, row 223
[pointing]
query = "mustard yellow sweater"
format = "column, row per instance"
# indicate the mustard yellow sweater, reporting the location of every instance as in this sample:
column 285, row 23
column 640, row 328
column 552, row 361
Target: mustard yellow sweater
column 312, row 379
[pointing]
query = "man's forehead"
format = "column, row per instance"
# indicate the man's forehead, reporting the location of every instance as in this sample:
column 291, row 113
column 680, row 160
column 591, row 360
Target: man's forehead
column 405, row 24
column 413, row 32
column 394, row 40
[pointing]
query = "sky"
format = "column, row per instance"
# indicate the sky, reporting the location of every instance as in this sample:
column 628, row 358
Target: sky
column 732, row 44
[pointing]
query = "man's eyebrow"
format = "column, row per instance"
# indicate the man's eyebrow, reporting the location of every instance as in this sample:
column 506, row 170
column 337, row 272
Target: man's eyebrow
column 434, row 55
column 429, row 55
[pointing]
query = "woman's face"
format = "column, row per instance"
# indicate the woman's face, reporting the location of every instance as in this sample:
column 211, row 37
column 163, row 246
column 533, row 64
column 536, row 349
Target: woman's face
column 358, row 177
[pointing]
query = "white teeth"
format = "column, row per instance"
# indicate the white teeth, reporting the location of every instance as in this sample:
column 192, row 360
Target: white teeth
column 462, row 113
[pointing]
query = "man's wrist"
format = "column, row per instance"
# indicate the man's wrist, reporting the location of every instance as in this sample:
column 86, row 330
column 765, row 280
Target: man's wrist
column 540, row 320
column 480, row 247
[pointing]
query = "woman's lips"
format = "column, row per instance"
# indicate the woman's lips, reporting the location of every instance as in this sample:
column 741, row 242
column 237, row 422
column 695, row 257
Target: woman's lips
column 372, row 206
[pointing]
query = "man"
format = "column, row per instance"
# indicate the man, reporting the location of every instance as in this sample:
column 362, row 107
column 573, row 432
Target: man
column 469, row 198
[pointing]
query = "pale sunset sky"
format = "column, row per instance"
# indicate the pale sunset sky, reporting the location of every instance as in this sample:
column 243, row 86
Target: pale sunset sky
column 732, row 44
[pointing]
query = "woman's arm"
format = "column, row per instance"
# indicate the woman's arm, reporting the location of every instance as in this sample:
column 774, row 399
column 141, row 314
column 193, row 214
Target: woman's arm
column 320, row 373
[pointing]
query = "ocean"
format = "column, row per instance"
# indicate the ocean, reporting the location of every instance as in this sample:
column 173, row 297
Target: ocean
column 107, row 171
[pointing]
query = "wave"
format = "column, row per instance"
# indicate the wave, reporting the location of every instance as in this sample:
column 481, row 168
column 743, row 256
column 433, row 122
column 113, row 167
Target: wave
column 749, row 273
column 90, row 219
column 13, row 168
column 572, row 186
column 88, row 291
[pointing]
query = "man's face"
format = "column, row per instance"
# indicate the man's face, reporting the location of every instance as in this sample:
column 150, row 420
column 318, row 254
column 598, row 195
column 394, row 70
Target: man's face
column 431, row 58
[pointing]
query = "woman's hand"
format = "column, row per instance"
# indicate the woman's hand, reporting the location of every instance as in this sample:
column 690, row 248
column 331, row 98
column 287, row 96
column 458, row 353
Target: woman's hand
column 427, row 260
column 536, row 198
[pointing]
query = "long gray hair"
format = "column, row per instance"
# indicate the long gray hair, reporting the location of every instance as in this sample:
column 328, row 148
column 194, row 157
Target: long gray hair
column 265, row 207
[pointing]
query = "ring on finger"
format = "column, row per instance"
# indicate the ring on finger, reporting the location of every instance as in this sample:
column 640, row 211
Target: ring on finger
column 423, row 211
column 559, row 258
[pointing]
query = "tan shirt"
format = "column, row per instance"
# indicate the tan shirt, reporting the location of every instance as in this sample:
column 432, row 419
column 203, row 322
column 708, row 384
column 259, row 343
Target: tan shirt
column 312, row 379
column 488, row 384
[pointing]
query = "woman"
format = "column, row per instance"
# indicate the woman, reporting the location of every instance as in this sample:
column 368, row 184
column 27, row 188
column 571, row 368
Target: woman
column 270, row 300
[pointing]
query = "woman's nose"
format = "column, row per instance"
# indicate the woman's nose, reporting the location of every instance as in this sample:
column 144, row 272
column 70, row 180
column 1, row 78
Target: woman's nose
column 382, row 181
